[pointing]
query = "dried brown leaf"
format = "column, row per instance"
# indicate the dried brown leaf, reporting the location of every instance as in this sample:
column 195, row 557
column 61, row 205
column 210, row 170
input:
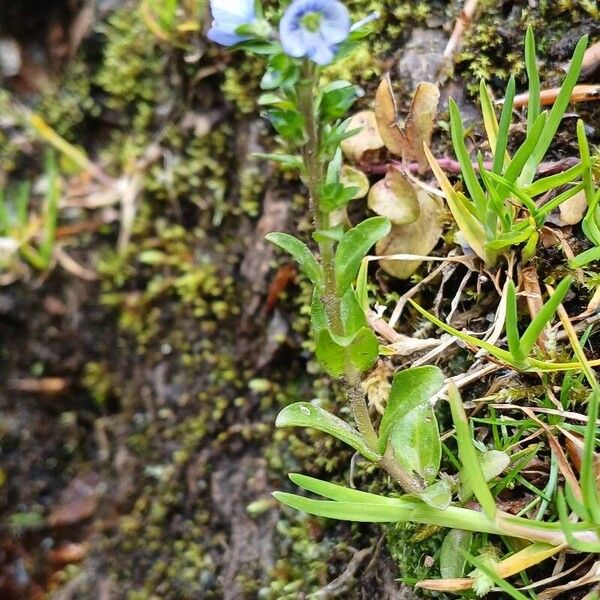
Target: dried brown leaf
column 420, row 122
column 419, row 237
column 387, row 117
column 395, row 197
column 366, row 140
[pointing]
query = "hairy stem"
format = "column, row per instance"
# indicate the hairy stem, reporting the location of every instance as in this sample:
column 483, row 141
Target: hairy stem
column 314, row 177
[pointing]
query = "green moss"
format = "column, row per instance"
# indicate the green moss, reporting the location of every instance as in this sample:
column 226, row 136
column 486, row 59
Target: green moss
column 67, row 106
column 98, row 381
column 240, row 83
column 132, row 72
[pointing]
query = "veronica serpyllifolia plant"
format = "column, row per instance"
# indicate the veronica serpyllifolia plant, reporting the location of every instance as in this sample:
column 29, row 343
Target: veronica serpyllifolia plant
column 310, row 120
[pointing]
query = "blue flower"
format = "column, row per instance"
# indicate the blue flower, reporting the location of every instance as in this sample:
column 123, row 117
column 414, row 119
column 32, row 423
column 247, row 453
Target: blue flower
column 313, row 28
column 228, row 15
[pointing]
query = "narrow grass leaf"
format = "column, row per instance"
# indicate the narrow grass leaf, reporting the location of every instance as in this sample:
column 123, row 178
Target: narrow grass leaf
column 558, row 110
column 537, row 325
column 467, row 170
column 471, row 467
column 511, row 324
column 500, row 155
column 500, row 354
column 533, row 78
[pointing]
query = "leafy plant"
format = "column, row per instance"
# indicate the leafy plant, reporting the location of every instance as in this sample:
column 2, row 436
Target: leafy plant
column 591, row 220
column 518, row 355
column 452, row 480
column 500, row 211
column 172, row 20
column 26, row 235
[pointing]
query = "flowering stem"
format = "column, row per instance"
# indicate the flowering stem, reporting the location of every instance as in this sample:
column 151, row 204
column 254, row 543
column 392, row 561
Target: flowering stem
column 315, row 175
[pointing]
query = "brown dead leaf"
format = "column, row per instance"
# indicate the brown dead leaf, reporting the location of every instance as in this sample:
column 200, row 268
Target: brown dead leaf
column 419, row 237
column 419, row 123
column 386, row 115
column 77, row 502
column 446, row 585
column 575, row 446
column 366, row 140
column 395, row 197
column 407, row 142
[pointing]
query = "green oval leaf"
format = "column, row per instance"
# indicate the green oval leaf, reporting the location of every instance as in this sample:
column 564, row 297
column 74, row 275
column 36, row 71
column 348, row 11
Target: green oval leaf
column 334, row 353
column 415, row 439
column 354, row 246
column 452, row 561
column 437, row 495
column 305, row 414
column 410, row 388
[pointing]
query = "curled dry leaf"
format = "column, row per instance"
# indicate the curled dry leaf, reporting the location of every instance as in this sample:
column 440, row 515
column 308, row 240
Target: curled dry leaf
column 367, row 140
column 419, row 123
column 419, row 237
column 352, row 177
column 395, row 197
column 573, row 209
column 408, row 141
column 387, row 117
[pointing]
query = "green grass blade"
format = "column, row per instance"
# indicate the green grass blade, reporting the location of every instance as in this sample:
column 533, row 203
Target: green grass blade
column 533, row 77
column 471, row 468
column 569, row 529
column 591, row 221
column 500, row 354
column 511, row 324
column 500, row 155
column 515, row 191
column 585, row 258
column 361, row 512
column 23, row 203
column 467, row 170
column 586, row 162
column 340, row 493
column 524, row 154
column 545, row 210
column 541, row 186
column 557, row 112
column 4, row 218
column 544, row 316
column 496, row 201
column 51, row 210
